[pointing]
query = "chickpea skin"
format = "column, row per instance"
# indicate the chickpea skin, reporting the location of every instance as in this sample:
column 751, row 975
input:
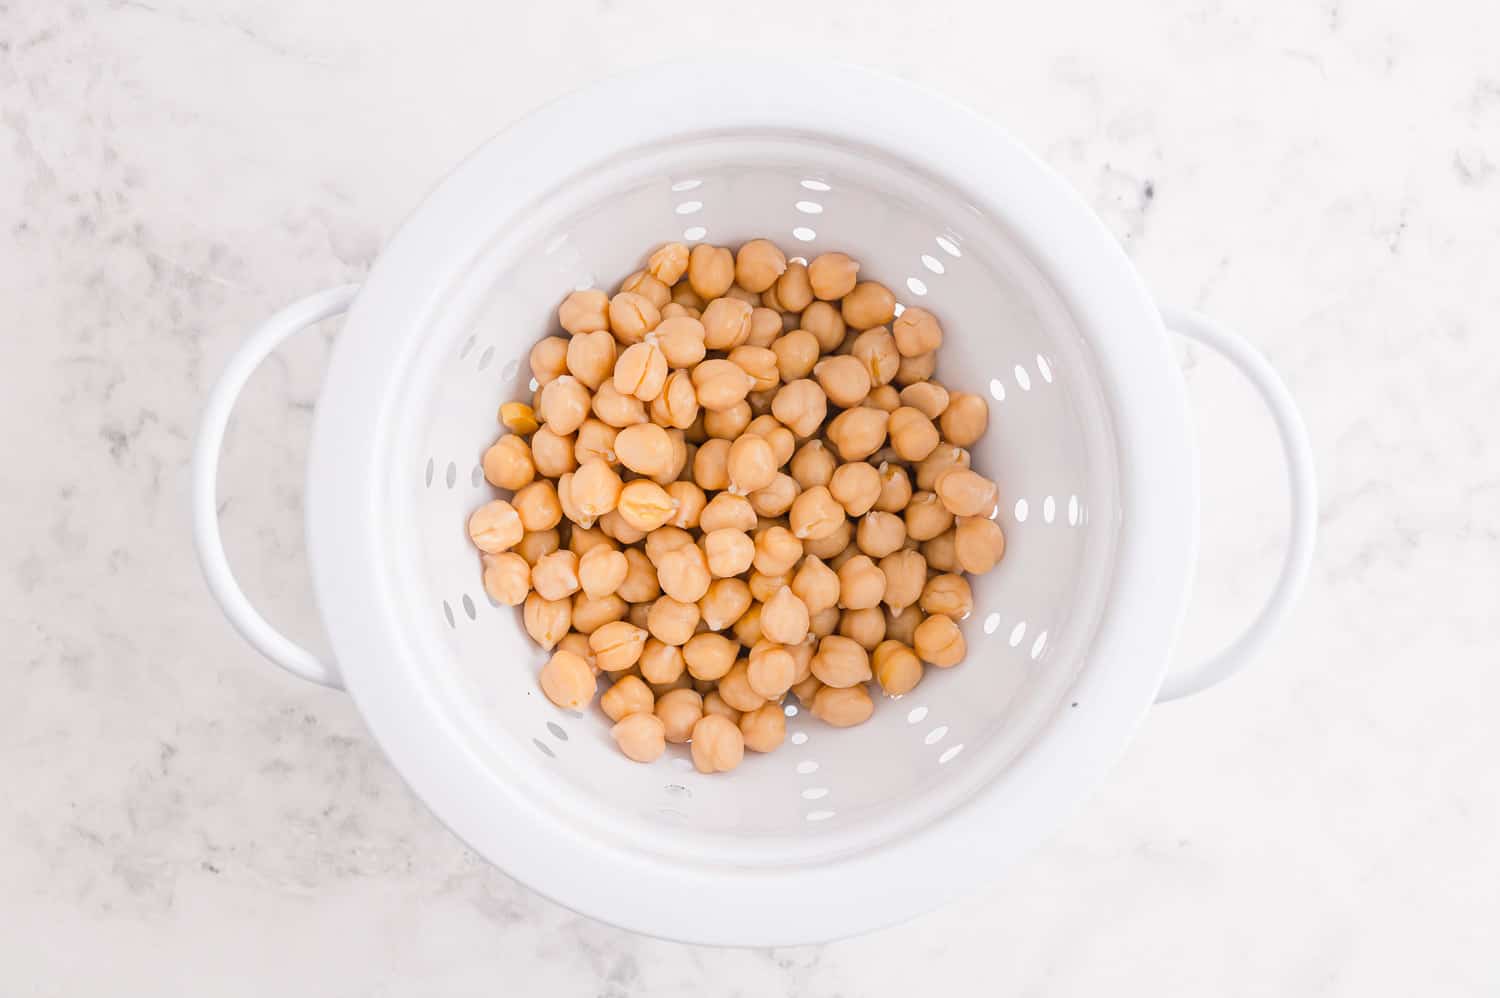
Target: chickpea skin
column 507, row 577
column 784, row 619
column 495, row 527
column 939, row 641
column 710, row 271
column 507, row 464
column 831, row 276
column 840, row 662
column 842, row 708
column 678, row 711
column 641, row 737
column 897, row 668
column 627, row 695
column 568, row 681
column 717, row 745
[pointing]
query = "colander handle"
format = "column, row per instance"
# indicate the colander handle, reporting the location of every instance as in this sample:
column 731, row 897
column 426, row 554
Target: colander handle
column 1301, row 477
column 221, row 582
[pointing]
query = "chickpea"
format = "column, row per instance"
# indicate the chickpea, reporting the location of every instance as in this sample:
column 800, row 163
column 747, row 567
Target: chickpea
column 507, row 464
column 628, row 695
column 824, row 322
column 672, row 310
column 549, row 359
column 945, row 456
column 827, row 547
column 964, row 492
column 759, row 363
column 684, row 295
column 917, row 332
column 942, row 552
column 813, row 465
column 764, row 729
column 591, row 356
column 865, row 628
column 565, row 404
column 800, row 406
column 765, row 327
column 660, row 662
column 840, row 662
column 777, row 551
column 729, row 552
column 683, row 574
column 861, row 584
column 760, row 402
column 641, row 370
column 644, row 448
column 601, row 571
column 836, row 561
column 777, row 498
column 735, row 689
column 672, row 622
column 678, row 711
column 914, row 370
column 680, row 341
column 759, row 264
column 727, row 424
column 552, row 452
column 637, row 615
column 632, row 316
column 769, row 673
column 595, row 441
column 710, row 271
column 939, row 641
column 979, row 544
column 763, row 587
column 555, row 576
column 546, row 620
column 726, row 323
column 965, row 419
column 843, row 379
column 831, row 276
column 824, row 622
column 645, row 505
column 806, row 688
column 751, row 464
column 794, row 288
column 614, row 525
column 869, row 305
column 588, row 615
column 927, row 397
column 496, row 526
column 796, row 354
column 784, row 618
column 617, row 645
column 926, row 517
column 816, row 514
column 584, row 312
column 876, row 350
column 912, row 434
column 616, row 409
column 641, row 737
column 711, row 466
column 676, row 405
column 578, row 644
column 895, row 488
column 582, row 540
column 709, row 655
column 720, row 384
column 717, row 745
column 855, row 486
column 880, row 534
column 507, row 577
column 640, row 584
column 724, row 603
column 883, row 397
column 859, row 432
column 647, row 286
column 740, row 294
column 842, row 708
column 816, row 585
column 897, row 668
column 538, row 506
column 727, row 511
column 568, row 681
column 905, row 574
column 690, row 501
column 903, row 625
column 747, row 629
column 668, row 263
column 682, row 682
column 771, row 300
column 595, row 489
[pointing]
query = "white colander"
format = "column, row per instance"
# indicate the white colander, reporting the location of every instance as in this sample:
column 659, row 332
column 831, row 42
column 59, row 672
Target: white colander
column 840, row 830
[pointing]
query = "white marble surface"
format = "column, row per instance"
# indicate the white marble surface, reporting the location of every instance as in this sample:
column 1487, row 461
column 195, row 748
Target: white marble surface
column 180, row 818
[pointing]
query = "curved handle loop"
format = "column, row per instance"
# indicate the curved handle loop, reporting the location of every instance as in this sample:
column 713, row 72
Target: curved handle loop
column 221, row 582
column 1301, row 477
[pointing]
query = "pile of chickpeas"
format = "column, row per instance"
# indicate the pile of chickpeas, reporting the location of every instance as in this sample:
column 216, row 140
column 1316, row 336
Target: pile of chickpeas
column 737, row 479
